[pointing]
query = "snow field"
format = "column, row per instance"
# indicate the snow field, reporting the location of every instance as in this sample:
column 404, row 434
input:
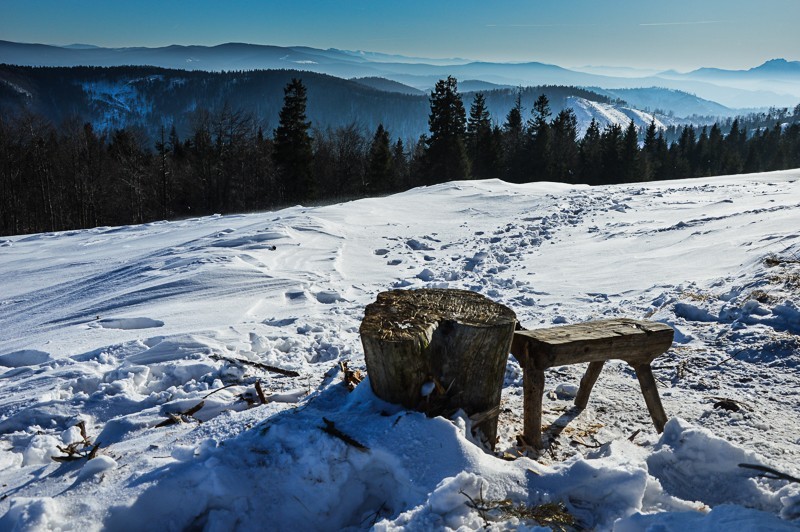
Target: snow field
column 123, row 327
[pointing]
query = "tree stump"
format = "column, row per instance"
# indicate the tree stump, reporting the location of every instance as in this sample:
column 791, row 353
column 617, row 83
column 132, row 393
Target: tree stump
column 438, row 350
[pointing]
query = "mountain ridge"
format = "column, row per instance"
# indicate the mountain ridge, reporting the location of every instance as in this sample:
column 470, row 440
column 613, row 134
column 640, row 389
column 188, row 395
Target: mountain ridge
column 774, row 83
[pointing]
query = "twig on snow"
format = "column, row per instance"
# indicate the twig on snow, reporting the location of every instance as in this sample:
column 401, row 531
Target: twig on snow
column 331, row 429
column 259, row 365
column 768, row 472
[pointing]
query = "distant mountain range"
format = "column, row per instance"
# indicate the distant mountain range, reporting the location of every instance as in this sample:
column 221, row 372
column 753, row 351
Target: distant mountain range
column 775, row 83
column 151, row 97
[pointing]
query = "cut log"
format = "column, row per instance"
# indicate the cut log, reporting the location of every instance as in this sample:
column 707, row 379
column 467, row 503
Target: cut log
column 438, row 350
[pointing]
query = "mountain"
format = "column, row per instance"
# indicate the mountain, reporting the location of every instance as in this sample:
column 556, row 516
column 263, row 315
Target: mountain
column 777, row 79
column 150, row 97
column 773, row 84
column 668, row 101
column 477, row 85
column 387, row 85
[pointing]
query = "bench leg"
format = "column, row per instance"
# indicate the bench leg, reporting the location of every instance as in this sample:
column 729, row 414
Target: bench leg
column 650, row 392
column 587, row 382
column 533, row 391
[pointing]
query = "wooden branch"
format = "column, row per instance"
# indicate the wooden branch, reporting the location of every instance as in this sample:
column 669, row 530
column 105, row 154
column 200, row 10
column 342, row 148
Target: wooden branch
column 768, row 472
column 260, row 392
column 174, row 419
column 259, row 365
column 331, row 429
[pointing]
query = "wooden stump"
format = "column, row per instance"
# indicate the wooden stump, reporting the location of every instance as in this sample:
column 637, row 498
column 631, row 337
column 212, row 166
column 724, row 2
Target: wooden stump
column 438, row 350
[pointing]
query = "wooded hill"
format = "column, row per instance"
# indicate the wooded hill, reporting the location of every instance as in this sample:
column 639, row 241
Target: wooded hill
column 148, row 97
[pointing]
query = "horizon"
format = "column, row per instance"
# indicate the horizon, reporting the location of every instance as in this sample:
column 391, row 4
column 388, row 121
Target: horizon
column 729, row 35
column 455, row 60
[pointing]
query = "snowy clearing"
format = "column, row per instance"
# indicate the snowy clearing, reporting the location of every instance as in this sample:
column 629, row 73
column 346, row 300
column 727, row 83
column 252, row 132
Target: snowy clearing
column 165, row 339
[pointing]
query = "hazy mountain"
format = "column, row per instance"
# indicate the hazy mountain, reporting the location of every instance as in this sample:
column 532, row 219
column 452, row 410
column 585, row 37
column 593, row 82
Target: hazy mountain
column 387, row 85
column 476, row 85
column 775, row 83
column 668, row 101
column 150, row 97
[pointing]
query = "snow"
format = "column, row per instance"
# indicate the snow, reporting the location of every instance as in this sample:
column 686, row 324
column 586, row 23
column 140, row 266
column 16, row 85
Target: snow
column 605, row 114
column 128, row 328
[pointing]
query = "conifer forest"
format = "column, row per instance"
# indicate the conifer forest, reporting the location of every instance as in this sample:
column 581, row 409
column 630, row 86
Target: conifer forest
column 67, row 174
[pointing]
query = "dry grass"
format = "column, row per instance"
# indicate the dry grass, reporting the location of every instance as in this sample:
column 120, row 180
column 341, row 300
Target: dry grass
column 553, row 515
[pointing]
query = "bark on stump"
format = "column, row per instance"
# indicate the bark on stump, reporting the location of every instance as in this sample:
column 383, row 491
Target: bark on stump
column 438, row 350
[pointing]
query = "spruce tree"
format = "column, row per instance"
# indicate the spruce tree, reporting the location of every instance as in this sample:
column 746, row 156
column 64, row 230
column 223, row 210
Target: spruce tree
column 590, row 155
column 649, row 155
column 482, row 145
column 292, row 152
column 399, row 166
column 513, row 151
column 611, row 148
column 446, row 156
column 379, row 164
column 631, row 170
column 563, row 164
column 540, row 141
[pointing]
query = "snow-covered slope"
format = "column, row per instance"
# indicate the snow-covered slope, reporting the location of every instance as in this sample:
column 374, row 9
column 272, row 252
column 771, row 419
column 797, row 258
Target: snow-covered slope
column 177, row 324
column 605, row 114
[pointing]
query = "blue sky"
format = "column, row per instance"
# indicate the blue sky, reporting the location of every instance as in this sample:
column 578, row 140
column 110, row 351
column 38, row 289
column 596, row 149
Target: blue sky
column 677, row 34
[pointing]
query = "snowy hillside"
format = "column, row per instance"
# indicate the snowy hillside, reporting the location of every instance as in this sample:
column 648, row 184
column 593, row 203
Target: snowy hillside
column 606, row 114
column 163, row 342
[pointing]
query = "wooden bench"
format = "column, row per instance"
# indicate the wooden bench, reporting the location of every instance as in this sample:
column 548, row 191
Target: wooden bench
column 634, row 341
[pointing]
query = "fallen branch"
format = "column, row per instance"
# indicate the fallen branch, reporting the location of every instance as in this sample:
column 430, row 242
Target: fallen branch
column 259, row 365
column 181, row 417
column 768, row 472
column 260, row 392
column 331, row 429
column 78, row 450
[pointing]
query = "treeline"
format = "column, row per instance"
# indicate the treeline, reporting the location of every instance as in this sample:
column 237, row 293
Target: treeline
column 71, row 176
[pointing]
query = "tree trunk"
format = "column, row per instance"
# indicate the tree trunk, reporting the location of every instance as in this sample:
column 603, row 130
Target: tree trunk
column 438, row 350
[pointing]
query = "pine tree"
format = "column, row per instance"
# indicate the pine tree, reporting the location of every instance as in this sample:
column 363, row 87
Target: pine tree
column 540, row 139
column 563, row 165
column 399, row 166
column 482, row 145
column 446, row 156
column 513, row 151
column 379, row 164
column 649, row 155
column 611, row 148
column 734, row 151
column 292, row 152
column 590, row 155
column 630, row 155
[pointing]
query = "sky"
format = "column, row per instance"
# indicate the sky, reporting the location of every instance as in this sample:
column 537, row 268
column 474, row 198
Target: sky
column 680, row 34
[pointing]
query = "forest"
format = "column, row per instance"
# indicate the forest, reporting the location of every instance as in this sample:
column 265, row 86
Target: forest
column 59, row 175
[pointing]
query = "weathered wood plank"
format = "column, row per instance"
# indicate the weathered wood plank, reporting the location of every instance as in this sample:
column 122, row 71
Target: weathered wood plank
column 624, row 339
